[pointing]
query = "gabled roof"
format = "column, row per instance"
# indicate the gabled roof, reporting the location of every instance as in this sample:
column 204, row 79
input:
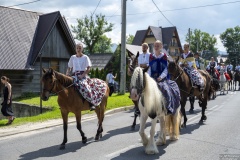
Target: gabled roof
column 139, row 37
column 17, row 28
column 157, row 32
column 23, row 34
column 100, row 61
column 133, row 49
column 45, row 25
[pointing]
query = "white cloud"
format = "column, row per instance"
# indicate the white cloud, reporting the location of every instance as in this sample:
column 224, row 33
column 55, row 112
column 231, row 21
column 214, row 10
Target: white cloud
column 213, row 19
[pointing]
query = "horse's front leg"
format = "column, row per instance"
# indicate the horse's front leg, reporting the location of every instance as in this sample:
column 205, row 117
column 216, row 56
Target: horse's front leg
column 100, row 114
column 151, row 147
column 183, row 103
column 162, row 133
column 65, row 126
column 192, row 100
column 79, row 126
column 203, row 104
column 136, row 114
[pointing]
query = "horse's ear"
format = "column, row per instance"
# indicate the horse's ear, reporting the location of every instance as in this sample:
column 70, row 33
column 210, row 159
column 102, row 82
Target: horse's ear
column 137, row 54
column 44, row 70
column 129, row 54
column 50, row 70
column 145, row 69
column 177, row 60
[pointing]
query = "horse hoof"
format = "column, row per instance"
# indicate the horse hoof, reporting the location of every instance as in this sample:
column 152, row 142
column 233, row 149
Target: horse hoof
column 201, row 122
column 183, row 125
column 191, row 111
column 62, row 147
column 84, row 140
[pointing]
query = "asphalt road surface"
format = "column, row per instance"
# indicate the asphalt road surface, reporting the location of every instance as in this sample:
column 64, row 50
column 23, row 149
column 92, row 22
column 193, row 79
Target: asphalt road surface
column 218, row 138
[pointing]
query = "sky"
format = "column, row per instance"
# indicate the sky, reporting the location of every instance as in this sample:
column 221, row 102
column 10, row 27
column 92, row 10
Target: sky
column 211, row 16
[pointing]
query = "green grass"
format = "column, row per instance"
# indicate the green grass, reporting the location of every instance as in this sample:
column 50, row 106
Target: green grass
column 115, row 101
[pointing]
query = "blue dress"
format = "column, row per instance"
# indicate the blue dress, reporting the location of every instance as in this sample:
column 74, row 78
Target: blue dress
column 168, row 87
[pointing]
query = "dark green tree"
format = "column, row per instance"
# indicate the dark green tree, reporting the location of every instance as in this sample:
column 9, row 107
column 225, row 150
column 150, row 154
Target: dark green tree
column 90, row 30
column 203, row 42
column 103, row 46
column 129, row 39
column 231, row 41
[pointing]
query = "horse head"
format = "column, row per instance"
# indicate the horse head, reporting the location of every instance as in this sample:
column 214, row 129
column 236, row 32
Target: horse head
column 137, row 83
column 48, row 82
column 133, row 63
column 173, row 68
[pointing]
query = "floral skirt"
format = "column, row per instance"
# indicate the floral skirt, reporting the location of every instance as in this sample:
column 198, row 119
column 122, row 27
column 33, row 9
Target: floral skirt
column 171, row 93
column 93, row 90
column 195, row 76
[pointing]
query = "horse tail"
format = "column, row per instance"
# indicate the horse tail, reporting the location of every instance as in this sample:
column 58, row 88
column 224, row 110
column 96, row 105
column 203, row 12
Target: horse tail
column 152, row 97
column 172, row 123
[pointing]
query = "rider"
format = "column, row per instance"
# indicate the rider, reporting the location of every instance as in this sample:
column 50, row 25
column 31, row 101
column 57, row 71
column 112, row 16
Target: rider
column 218, row 67
column 229, row 67
column 189, row 66
column 79, row 65
column 197, row 60
column 237, row 68
column 158, row 70
column 143, row 59
column 213, row 63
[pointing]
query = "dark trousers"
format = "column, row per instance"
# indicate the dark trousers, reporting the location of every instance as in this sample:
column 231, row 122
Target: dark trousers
column 111, row 87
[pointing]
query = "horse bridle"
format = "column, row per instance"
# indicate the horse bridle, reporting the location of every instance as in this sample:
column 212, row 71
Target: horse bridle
column 50, row 91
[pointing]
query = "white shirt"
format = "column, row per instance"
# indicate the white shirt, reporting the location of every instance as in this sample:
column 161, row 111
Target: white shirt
column 237, row 68
column 79, row 63
column 214, row 62
column 165, row 71
column 110, row 78
column 143, row 58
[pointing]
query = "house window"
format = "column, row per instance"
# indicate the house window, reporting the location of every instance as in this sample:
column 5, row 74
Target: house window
column 176, row 52
column 150, row 33
column 54, row 64
column 150, row 47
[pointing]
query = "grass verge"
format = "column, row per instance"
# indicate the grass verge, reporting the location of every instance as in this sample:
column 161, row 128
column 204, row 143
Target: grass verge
column 115, row 101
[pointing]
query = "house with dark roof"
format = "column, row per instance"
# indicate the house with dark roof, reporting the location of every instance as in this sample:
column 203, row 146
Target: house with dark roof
column 29, row 41
column 168, row 36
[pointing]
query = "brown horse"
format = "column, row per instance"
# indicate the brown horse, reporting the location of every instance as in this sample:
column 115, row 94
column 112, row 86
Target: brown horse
column 70, row 100
column 186, row 89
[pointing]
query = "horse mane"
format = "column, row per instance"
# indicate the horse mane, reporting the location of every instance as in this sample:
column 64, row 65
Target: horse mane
column 137, row 78
column 153, row 98
column 63, row 79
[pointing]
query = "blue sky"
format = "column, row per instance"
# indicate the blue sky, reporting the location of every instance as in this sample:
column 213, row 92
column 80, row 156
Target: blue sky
column 213, row 19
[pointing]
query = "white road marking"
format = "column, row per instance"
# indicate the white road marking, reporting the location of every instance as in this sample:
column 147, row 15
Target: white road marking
column 114, row 154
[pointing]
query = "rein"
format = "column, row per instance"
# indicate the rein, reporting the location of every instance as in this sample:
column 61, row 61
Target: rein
column 50, row 91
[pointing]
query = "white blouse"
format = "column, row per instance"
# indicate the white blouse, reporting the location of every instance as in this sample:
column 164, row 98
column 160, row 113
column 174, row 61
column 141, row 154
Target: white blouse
column 79, row 63
column 143, row 58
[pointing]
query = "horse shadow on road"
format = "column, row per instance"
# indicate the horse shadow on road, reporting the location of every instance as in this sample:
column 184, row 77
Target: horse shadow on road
column 52, row 151
column 139, row 153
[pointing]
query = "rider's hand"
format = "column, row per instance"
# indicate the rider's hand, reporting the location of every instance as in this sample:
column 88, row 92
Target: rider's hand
column 159, row 79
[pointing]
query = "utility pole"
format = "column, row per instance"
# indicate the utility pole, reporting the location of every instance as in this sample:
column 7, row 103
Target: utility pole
column 123, row 50
column 189, row 35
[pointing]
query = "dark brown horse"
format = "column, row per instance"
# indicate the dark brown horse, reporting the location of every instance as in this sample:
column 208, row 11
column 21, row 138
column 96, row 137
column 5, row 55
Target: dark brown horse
column 186, row 89
column 131, row 66
column 237, row 79
column 70, row 100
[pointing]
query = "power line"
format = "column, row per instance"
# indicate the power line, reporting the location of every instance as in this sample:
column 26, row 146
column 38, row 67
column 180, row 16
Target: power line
column 162, row 13
column 96, row 7
column 24, row 3
column 178, row 9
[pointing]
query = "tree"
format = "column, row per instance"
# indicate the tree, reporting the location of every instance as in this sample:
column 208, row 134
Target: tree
column 203, row 42
column 129, row 39
column 103, row 46
column 231, row 41
column 90, row 30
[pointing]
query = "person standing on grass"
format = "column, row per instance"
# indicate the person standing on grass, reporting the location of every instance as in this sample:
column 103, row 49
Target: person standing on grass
column 110, row 81
column 7, row 100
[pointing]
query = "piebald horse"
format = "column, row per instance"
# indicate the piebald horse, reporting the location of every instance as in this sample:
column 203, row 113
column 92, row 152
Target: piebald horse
column 151, row 102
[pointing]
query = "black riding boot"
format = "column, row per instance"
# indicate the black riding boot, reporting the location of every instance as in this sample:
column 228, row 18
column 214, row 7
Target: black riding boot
column 92, row 107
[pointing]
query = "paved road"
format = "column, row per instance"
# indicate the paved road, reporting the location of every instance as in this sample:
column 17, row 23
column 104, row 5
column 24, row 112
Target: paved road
column 219, row 135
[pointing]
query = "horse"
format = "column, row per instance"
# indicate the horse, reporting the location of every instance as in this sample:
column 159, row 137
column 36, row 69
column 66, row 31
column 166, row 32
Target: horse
column 186, row 88
column 237, row 79
column 71, row 100
column 151, row 102
column 222, row 81
column 214, row 82
column 132, row 65
column 230, row 82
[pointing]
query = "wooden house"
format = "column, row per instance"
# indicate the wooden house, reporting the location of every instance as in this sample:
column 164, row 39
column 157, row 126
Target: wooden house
column 29, row 41
column 168, row 36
